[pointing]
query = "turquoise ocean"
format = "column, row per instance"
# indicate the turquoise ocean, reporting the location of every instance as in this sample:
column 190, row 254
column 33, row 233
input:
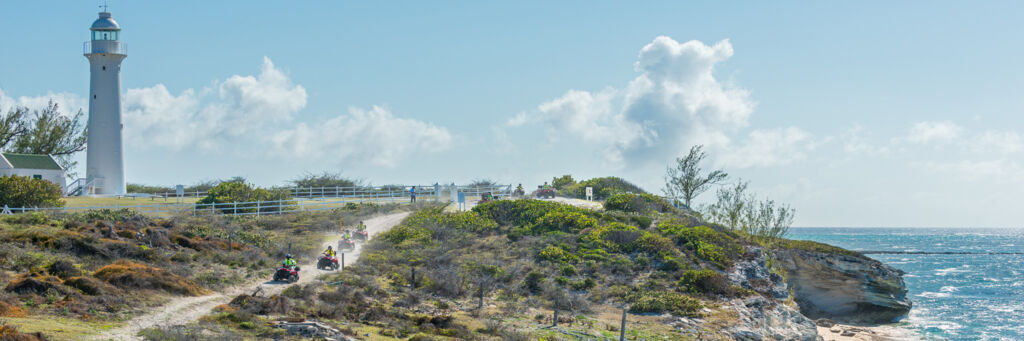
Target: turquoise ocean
column 976, row 296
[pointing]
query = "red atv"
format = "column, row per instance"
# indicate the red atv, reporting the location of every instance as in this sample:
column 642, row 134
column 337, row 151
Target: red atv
column 545, row 193
column 326, row 262
column 361, row 235
column 346, row 245
column 286, row 274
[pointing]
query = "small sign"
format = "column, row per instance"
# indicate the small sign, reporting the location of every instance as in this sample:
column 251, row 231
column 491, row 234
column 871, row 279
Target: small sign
column 180, row 190
column 590, row 193
column 462, row 197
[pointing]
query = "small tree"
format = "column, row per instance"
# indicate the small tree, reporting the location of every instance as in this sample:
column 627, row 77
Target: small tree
column 562, row 182
column 51, row 132
column 12, row 125
column 686, row 180
column 484, row 276
column 729, row 207
column 325, row 179
column 21, row 191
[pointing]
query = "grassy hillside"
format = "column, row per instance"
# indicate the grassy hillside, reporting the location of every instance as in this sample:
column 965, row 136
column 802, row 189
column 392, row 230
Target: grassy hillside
column 500, row 271
column 77, row 273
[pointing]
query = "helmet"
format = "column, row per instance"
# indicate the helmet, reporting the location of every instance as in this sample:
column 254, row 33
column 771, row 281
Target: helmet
column 288, row 256
column 328, row 247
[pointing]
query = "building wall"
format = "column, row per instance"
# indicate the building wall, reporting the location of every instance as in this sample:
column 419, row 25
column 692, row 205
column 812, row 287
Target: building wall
column 51, row 175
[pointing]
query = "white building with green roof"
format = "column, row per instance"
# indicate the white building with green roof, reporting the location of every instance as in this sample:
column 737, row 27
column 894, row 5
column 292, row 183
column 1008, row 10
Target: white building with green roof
column 32, row 165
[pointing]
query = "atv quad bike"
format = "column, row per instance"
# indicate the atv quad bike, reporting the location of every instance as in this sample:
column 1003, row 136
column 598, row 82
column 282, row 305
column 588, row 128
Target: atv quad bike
column 286, row 274
column 545, row 193
column 360, row 235
column 326, row 262
column 486, row 197
column 346, row 245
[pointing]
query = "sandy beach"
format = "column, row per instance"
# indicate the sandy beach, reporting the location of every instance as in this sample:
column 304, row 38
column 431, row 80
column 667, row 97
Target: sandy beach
column 844, row 332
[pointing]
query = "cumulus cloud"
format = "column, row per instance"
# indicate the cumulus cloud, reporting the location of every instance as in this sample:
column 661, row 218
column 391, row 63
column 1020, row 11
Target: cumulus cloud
column 933, row 131
column 244, row 105
column 768, row 147
column 374, row 136
column 68, row 103
column 676, row 101
column 244, row 113
column 1002, row 142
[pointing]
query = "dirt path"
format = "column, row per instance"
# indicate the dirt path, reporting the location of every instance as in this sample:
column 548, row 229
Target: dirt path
column 181, row 311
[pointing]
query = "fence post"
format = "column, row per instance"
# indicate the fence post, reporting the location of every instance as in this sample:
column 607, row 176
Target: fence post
column 258, row 214
column 234, row 209
column 555, row 321
column 622, row 330
column 342, row 261
column 413, row 270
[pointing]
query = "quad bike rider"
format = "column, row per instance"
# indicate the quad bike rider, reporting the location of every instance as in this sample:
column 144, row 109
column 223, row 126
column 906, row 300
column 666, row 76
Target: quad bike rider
column 328, row 260
column 346, row 243
column 361, row 233
column 545, row 191
column 288, row 272
column 519, row 191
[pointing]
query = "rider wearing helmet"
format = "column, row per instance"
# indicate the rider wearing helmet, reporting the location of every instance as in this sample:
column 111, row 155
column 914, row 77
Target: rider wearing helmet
column 347, row 235
column 288, row 261
column 361, row 227
column 330, row 251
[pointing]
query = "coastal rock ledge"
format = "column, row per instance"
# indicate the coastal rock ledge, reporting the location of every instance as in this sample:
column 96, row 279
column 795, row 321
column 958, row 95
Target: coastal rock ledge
column 848, row 288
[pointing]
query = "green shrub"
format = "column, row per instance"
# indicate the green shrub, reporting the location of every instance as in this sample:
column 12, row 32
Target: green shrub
column 663, row 302
column 565, row 220
column 522, row 212
column 22, row 191
column 238, row 191
column 613, row 237
column 641, row 221
column 639, row 203
column 654, row 244
column 555, row 254
column 584, row 284
column 568, row 270
column 705, row 282
column 603, row 188
column 717, row 247
column 562, row 182
column 533, row 281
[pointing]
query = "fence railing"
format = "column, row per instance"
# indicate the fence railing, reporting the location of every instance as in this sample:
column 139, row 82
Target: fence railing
column 323, row 198
column 368, row 192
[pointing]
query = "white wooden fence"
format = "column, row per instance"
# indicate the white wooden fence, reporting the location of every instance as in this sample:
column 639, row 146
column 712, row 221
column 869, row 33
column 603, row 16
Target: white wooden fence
column 305, row 199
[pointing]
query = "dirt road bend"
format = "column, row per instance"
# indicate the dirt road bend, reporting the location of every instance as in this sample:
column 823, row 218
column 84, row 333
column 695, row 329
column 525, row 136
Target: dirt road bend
column 183, row 310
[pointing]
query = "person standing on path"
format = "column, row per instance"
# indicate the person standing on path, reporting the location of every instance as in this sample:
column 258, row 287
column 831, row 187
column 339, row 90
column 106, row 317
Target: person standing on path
column 412, row 195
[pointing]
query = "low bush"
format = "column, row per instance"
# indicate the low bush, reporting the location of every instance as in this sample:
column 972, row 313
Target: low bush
column 663, row 302
column 557, row 255
column 603, row 188
column 10, row 333
column 63, row 269
column 705, row 282
column 130, row 275
column 39, row 285
column 23, row 191
column 89, row 286
column 637, row 203
column 232, row 192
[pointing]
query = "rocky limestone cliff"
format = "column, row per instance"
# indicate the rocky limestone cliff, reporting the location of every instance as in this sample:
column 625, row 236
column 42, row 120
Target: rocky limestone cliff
column 845, row 288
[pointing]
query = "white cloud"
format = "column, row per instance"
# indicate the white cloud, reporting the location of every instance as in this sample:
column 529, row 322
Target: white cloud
column 933, row 131
column 997, row 170
column 517, row 120
column 766, row 148
column 676, row 101
column 68, row 103
column 1002, row 142
column 375, row 136
column 245, row 105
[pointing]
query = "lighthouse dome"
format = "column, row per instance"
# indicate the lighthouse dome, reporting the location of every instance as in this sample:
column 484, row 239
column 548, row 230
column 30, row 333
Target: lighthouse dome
column 105, row 23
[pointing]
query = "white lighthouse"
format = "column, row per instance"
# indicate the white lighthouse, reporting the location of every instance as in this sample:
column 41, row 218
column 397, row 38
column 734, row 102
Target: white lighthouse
column 105, row 151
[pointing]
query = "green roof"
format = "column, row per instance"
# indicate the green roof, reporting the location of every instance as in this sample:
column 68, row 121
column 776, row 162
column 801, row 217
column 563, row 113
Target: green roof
column 32, row 161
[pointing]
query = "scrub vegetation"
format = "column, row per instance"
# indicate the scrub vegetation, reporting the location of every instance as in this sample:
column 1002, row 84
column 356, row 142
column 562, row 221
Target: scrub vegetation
column 500, row 271
column 101, row 267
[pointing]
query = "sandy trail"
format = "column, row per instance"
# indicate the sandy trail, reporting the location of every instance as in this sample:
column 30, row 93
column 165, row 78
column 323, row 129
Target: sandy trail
column 183, row 310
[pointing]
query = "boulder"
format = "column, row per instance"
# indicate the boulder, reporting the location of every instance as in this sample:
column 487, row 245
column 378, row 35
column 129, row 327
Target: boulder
column 845, row 288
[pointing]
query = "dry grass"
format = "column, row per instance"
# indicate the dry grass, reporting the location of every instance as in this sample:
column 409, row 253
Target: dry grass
column 126, row 274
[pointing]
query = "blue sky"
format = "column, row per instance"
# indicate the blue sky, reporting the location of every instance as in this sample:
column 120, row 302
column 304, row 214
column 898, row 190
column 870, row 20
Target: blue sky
column 857, row 114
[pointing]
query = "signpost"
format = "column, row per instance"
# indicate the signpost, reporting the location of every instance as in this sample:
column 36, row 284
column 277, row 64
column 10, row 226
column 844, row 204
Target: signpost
column 590, row 194
column 462, row 201
column 180, row 191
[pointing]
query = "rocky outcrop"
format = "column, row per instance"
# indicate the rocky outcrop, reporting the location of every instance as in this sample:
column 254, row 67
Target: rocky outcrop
column 845, row 288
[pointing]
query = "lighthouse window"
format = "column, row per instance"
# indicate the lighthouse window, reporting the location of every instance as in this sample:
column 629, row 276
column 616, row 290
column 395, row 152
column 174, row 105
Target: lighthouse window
column 104, row 68
column 104, row 35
